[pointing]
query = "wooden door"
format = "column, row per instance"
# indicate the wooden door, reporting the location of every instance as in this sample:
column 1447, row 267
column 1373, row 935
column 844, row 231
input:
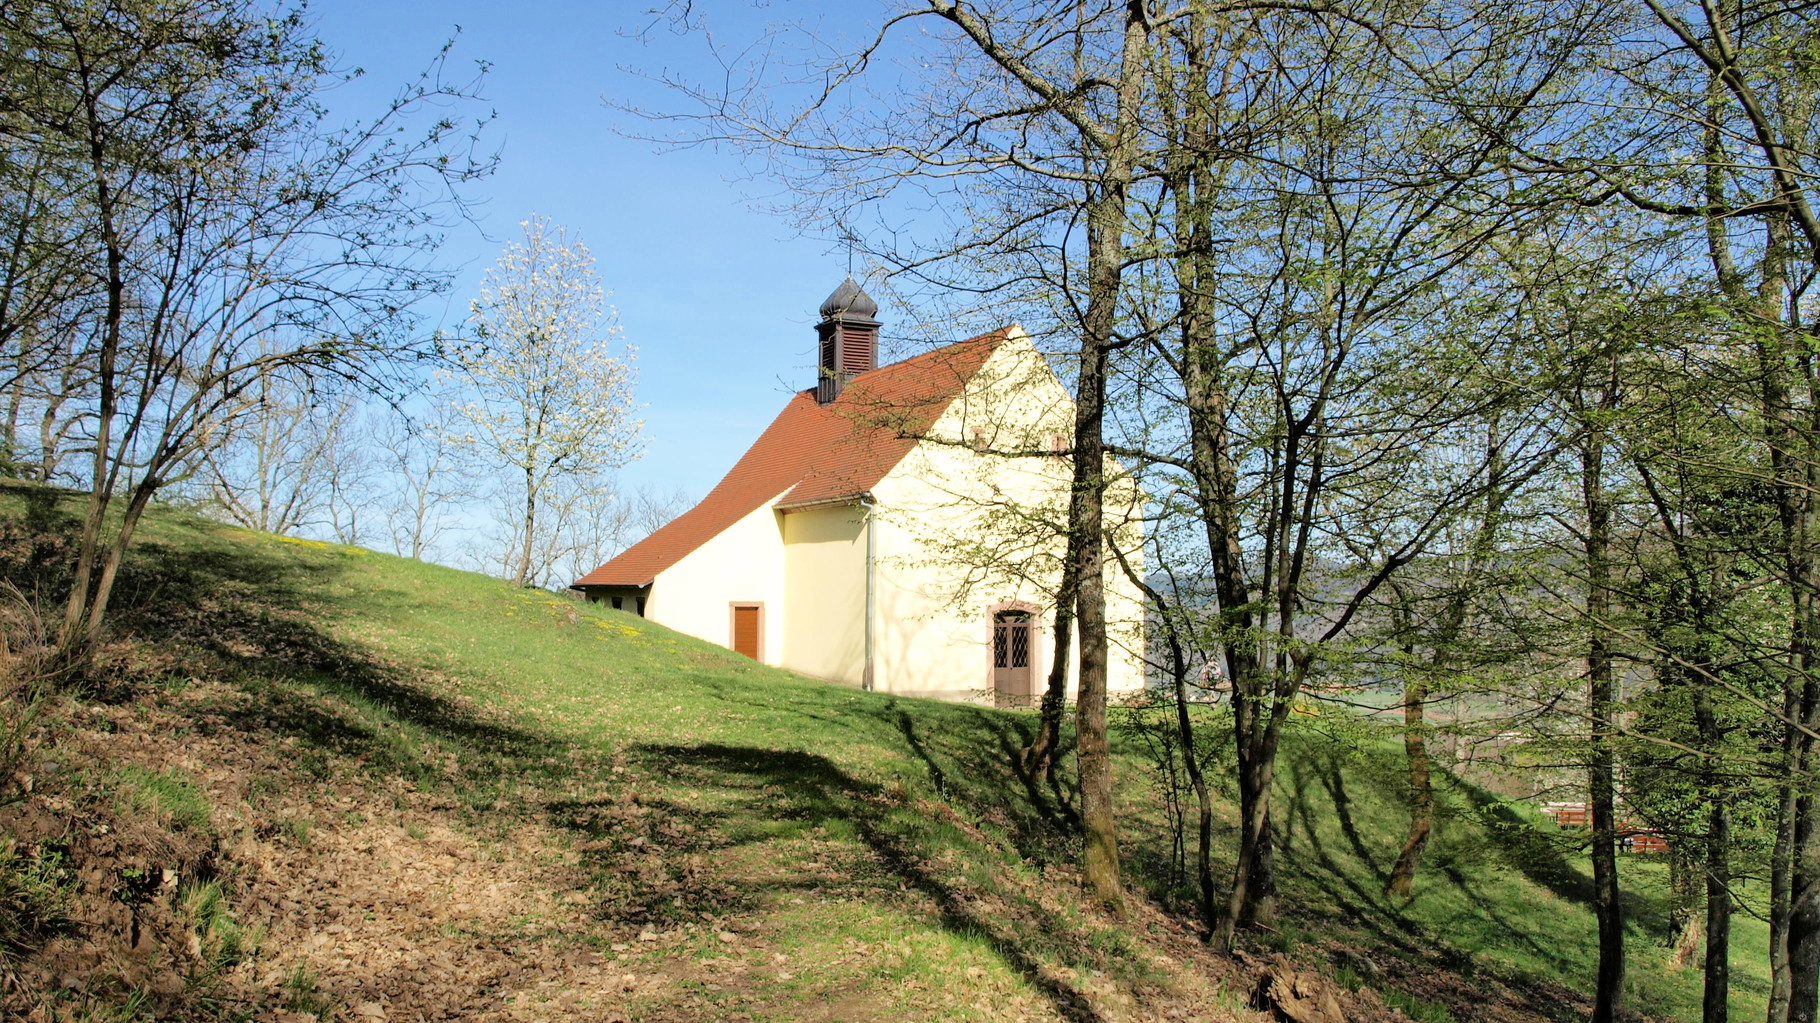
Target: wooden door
column 1011, row 671
column 746, row 629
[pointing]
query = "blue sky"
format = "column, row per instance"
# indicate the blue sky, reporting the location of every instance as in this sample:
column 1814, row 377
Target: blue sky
column 719, row 298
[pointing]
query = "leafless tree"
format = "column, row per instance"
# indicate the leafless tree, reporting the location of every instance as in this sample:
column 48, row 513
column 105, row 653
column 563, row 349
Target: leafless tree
column 422, row 484
column 222, row 228
column 1031, row 127
column 608, row 519
column 281, row 463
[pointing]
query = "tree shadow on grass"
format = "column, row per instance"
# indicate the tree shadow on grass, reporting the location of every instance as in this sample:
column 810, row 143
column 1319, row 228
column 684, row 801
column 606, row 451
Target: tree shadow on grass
column 1518, row 843
column 1524, row 847
column 38, row 551
column 1349, row 877
column 971, row 756
column 246, row 610
column 813, row 790
column 646, row 858
column 990, row 755
column 1333, row 780
column 1364, row 904
column 1051, row 798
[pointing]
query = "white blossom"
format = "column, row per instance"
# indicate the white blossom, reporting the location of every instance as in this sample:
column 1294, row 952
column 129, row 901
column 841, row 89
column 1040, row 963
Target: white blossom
column 549, row 382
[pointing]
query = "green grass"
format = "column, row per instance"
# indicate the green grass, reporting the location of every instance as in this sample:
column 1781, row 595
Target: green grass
column 1502, row 894
column 304, row 996
column 224, row 942
column 34, row 896
column 171, row 793
column 845, row 820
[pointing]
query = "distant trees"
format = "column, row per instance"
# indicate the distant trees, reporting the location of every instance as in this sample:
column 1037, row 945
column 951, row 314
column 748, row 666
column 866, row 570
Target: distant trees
column 286, row 461
column 423, row 484
column 183, row 222
column 504, row 460
column 546, row 402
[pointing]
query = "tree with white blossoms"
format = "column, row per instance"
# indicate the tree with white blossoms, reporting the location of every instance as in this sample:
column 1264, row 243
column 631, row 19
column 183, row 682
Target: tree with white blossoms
column 549, row 400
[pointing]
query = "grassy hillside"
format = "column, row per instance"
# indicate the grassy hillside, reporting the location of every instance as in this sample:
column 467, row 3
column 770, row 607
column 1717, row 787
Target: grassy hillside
column 319, row 782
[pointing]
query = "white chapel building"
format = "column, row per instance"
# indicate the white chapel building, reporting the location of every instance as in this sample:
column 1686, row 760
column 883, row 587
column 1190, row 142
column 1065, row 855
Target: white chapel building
column 895, row 527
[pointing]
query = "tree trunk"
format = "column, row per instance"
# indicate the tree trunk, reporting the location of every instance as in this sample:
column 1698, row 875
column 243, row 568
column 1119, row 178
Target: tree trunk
column 1099, row 826
column 1607, row 907
column 84, row 610
column 1106, row 222
column 1252, row 900
column 1718, row 912
column 1804, row 889
column 1687, row 901
column 1781, row 865
column 1216, row 495
column 1794, row 911
column 1421, row 789
column 1443, row 649
column 1795, row 895
column 521, row 574
column 1040, row 755
column 1203, row 800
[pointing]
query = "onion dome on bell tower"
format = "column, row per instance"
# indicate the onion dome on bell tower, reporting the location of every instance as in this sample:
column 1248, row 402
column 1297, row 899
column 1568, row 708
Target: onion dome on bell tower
column 849, row 339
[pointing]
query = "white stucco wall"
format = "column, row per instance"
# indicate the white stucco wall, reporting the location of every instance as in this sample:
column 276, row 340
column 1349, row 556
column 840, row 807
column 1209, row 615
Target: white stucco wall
column 745, row 563
column 825, row 593
column 964, row 527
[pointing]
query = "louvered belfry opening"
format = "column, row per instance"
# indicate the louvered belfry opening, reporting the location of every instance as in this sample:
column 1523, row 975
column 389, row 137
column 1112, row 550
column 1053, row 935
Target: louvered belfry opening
column 849, row 339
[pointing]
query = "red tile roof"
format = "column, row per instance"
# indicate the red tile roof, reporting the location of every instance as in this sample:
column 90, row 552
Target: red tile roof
column 814, row 452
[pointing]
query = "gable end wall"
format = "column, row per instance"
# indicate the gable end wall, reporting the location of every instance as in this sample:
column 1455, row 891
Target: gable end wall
column 954, row 539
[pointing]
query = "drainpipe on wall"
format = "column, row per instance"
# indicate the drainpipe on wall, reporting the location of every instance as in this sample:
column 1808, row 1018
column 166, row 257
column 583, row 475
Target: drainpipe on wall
column 866, row 502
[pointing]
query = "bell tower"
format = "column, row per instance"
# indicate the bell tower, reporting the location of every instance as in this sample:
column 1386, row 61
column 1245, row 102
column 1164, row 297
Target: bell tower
column 849, row 339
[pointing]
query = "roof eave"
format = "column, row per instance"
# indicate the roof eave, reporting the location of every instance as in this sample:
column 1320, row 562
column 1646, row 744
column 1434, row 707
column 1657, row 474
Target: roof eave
column 857, row 497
